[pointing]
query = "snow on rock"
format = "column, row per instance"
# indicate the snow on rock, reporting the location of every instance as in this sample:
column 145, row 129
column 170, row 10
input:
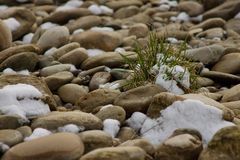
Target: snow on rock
column 105, row 10
column 50, row 51
column 72, row 4
column 136, row 120
column 237, row 16
column 24, row 98
column 102, row 29
column 3, row 147
column 3, row 7
column 80, row 30
column 37, row 133
column 120, row 50
column 97, row 10
column 183, row 17
column 72, row 128
column 111, row 126
column 112, row 85
column 10, row 71
column 178, row 73
column 94, row 52
column 28, row 38
column 191, row 114
column 163, row 7
column 12, row 23
column 48, row 25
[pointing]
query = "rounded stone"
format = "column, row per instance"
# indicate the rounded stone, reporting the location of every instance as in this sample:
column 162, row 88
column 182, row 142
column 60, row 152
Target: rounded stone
column 5, row 36
column 111, row 112
column 95, row 139
column 10, row 137
column 71, row 92
column 53, row 37
column 60, row 146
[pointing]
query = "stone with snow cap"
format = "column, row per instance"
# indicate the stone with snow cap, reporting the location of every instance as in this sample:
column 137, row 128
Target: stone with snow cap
column 181, row 114
column 25, row 99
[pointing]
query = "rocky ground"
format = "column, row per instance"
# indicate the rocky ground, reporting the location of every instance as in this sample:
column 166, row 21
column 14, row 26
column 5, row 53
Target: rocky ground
column 63, row 80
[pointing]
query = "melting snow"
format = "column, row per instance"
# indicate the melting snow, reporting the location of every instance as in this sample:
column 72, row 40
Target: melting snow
column 23, row 100
column 37, row 133
column 94, row 52
column 191, row 114
column 111, row 126
column 12, row 23
column 72, row 128
column 72, row 4
column 28, row 38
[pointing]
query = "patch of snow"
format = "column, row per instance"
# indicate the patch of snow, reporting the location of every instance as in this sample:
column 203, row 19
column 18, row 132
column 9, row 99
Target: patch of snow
column 102, row 29
column 106, row 10
column 183, row 17
column 173, row 3
column 12, row 23
column 199, row 18
column 72, row 4
column 111, row 126
column 28, row 38
column 178, row 73
column 80, row 30
column 3, row 7
column 72, row 68
column 50, row 51
column 10, row 71
column 164, row 7
column 217, row 38
column 113, row 85
column 136, row 120
column 13, row 110
column 237, row 16
column 94, row 52
column 25, row 97
column 95, row 9
column 172, row 40
column 72, row 128
column 191, row 114
column 38, row 133
column 4, row 147
column 48, row 25
column 120, row 50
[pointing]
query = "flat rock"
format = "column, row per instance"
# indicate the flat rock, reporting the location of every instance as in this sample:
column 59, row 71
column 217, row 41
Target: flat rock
column 206, row 55
column 106, row 41
column 138, row 99
column 53, row 37
column 21, row 61
column 75, row 57
column 10, row 137
column 58, row 119
column 229, row 63
column 181, row 147
column 70, row 93
column 95, row 139
column 111, row 112
column 5, row 36
column 85, row 22
column 116, row 153
column 96, row 98
column 58, row 79
column 61, row 146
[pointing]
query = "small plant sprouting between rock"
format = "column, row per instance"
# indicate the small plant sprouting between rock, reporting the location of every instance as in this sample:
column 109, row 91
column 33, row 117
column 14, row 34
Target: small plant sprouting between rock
column 156, row 55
